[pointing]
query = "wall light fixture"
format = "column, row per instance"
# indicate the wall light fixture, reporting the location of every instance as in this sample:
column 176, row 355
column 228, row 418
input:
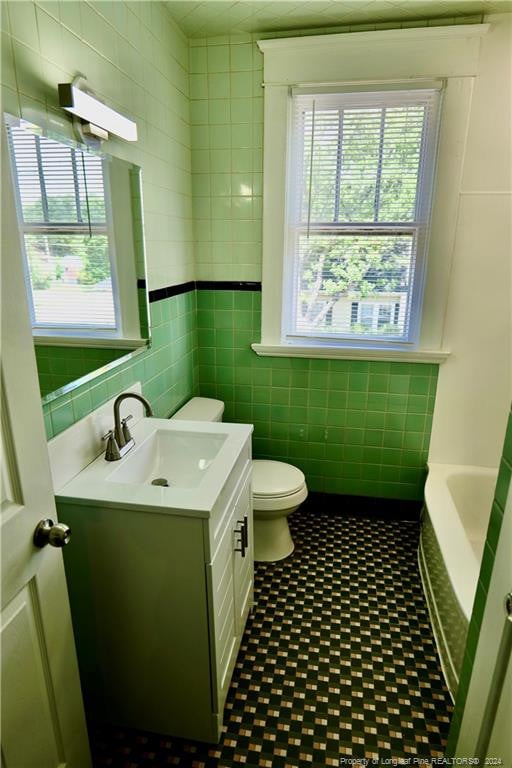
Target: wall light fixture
column 88, row 108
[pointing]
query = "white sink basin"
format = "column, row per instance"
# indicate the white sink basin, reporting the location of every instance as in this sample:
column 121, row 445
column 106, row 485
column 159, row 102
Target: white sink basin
column 194, row 457
column 180, row 459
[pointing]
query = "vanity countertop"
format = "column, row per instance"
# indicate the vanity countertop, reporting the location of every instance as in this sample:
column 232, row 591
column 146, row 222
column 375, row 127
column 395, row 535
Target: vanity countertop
column 169, row 449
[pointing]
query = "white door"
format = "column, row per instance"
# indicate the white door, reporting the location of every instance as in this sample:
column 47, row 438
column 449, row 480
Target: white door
column 42, row 724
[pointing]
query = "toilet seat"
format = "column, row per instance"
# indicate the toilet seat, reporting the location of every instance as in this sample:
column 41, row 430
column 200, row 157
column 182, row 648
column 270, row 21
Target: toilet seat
column 277, row 485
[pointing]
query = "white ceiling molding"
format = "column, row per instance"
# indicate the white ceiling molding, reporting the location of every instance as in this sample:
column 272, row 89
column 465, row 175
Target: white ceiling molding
column 446, row 51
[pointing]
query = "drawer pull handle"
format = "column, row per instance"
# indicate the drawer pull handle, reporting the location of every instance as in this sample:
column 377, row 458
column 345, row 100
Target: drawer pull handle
column 245, row 532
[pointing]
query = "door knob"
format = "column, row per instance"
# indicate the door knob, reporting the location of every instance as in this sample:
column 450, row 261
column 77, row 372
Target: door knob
column 48, row 532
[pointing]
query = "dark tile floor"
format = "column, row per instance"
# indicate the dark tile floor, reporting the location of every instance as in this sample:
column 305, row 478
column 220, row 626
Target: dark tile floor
column 337, row 661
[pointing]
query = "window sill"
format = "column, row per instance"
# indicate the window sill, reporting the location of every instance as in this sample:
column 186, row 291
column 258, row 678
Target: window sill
column 346, row 353
column 88, row 341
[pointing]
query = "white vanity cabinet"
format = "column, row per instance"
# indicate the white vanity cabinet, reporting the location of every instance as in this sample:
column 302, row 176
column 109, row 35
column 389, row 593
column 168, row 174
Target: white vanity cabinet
column 159, row 600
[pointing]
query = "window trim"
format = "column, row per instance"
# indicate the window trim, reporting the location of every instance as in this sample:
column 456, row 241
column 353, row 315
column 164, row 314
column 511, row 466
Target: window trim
column 368, row 59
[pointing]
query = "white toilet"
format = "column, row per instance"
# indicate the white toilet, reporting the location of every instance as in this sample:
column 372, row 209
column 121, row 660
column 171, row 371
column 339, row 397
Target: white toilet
column 278, row 489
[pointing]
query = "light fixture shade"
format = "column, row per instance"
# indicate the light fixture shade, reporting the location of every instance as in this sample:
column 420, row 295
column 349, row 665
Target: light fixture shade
column 85, row 106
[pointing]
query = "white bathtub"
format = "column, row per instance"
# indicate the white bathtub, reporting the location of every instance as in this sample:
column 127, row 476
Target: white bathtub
column 458, row 503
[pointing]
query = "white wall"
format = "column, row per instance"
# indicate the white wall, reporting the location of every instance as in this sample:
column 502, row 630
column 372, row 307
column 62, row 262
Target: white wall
column 474, row 388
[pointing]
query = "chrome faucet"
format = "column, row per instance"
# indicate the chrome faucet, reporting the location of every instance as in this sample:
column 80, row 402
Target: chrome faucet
column 119, row 439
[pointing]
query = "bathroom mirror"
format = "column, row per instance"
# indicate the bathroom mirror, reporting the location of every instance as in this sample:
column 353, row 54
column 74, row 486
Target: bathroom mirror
column 80, row 226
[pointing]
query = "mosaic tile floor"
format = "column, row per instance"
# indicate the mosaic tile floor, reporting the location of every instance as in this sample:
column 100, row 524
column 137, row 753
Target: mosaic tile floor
column 337, row 661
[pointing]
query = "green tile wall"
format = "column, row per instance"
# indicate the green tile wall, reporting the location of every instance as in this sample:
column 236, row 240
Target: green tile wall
column 484, row 579
column 136, row 59
column 353, row 427
column 57, row 366
column 226, row 115
column 226, row 111
column 168, row 371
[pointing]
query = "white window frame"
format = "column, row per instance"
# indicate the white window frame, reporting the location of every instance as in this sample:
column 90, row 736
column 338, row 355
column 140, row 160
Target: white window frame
column 407, row 57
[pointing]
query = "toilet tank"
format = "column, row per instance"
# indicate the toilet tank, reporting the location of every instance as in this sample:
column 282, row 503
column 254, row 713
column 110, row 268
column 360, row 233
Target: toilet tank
column 200, row 409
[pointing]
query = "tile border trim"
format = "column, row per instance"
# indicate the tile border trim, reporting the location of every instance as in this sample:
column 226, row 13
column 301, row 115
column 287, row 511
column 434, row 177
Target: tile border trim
column 159, row 294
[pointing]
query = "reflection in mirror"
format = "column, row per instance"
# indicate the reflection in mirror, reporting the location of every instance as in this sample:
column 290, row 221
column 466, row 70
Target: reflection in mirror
column 81, row 230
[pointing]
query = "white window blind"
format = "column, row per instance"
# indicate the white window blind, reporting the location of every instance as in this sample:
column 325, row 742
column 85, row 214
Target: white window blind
column 360, row 176
column 62, row 215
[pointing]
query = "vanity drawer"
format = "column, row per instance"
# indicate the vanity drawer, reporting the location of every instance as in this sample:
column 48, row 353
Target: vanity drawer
column 223, row 510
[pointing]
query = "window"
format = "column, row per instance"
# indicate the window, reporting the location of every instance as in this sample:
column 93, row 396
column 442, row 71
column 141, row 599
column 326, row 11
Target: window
column 66, row 241
column 358, row 188
column 346, row 74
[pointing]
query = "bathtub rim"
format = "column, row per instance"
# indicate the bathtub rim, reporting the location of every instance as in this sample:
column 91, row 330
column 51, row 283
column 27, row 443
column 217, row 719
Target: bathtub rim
column 463, row 570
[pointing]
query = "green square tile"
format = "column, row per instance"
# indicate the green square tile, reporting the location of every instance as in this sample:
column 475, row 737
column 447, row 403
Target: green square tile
column 334, row 434
column 354, row 436
column 377, row 401
column 417, row 404
column 241, row 111
column 419, row 385
column 299, row 397
column 359, row 366
column 198, row 86
column 218, row 58
column 378, row 383
column 316, row 398
column 338, row 381
column 197, row 60
column 336, row 400
column 317, row 415
column 224, row 357
column 261, row 377
column 414, row 423
column 241, row 57
column 279, row 430
column 280, row 396
column 390, row 474
column 358, row 382
column 487, row 566
column 243, row 300
column 261, row 394
column 218, row 85
column 353, row 453
column 298, row 414
column 398, row 384
column 356, row 400
column 225, row 338
column 375, row 420
column 397, row 403
column 493, row 531
column 62, row 417
column 373, row 437
column 503, row 484
column 280, row 413
column 281, row 378
column 372, row 455
column 507, row 447
column 241, row 84
column 336, row 418
column 219, row 111
column 355, row 418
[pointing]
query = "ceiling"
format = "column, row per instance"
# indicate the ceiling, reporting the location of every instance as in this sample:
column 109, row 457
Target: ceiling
column 210, row 18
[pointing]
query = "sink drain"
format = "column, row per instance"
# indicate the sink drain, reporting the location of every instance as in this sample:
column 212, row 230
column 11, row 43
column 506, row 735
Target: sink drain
column 160, row 481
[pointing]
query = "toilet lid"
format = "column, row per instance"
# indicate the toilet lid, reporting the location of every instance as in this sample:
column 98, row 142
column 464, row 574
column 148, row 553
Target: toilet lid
column 275, row 478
